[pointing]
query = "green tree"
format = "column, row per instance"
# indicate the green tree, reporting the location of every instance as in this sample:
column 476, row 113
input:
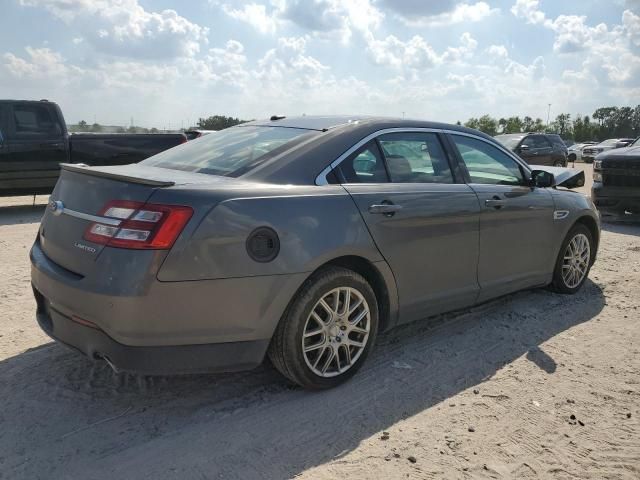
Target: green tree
column 562, row 125
column 488, row 125
column 513, row 125
column 472, row 123
column 218, row 122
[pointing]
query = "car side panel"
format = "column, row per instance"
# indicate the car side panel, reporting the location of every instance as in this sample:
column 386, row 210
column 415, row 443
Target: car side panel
column 313, row 228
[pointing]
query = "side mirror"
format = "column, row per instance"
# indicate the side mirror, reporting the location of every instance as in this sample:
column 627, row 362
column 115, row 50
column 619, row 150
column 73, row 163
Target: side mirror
column 542, row 179
column 524, row 148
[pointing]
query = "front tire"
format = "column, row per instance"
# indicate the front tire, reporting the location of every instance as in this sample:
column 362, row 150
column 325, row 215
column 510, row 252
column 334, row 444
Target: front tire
column 327, row 331
column 574, row 260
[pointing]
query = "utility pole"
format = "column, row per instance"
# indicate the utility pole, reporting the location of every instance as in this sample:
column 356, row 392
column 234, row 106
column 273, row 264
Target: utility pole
column 548, row 112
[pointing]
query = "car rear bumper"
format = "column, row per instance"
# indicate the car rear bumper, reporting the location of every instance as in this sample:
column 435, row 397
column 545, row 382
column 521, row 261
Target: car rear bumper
column 159, row 360
column 615, row 200
column 162, row 327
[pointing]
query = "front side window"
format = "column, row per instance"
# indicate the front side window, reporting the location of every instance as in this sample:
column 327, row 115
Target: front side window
column 230, row 152
column 365, row 165
column 487, row 164
column 415, row 157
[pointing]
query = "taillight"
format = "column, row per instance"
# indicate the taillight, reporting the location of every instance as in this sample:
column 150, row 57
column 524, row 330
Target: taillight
column 143, row 225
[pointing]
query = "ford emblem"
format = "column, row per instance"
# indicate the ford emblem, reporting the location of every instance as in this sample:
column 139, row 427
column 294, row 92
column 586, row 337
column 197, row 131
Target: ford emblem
column 56, row 207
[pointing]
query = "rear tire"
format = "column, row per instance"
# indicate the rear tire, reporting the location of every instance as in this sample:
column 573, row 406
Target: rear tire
column 574, row 260
column 327, row 331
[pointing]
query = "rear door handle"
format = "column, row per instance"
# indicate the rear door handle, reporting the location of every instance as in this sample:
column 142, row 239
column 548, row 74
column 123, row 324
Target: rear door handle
column 385, row 208
column 495, row 203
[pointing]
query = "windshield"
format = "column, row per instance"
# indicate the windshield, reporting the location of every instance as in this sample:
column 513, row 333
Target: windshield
column 230, row 152
column 509, row 141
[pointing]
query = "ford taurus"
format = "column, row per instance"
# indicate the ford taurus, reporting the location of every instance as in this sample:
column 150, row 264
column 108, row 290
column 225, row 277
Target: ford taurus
column 298, row 239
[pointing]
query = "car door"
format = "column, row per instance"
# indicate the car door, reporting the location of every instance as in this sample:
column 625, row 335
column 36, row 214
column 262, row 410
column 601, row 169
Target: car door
column 536, row 150
column 516, row 223
column 36, row 146
column 425, row 224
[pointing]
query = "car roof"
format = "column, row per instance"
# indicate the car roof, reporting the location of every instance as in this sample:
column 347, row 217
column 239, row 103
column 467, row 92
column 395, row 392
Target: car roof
column 331, row 122
column 335, row 135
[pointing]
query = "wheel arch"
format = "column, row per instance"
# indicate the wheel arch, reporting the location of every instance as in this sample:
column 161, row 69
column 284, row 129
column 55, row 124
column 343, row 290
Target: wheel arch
column 378, row 275
column 592, row 225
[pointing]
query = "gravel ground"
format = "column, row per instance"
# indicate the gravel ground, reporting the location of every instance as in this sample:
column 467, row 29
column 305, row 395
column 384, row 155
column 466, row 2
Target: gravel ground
column 531, row 385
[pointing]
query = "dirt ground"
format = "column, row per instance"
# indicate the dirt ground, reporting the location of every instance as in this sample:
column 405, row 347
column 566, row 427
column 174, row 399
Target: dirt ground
column 534, row 385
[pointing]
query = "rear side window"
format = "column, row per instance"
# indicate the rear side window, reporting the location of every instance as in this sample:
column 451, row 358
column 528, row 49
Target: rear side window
column 415, row 157
column 230, row 152
column 365, row 165
column 557, row 141
column 536, row 142
column 32, row 120
column 487, row 164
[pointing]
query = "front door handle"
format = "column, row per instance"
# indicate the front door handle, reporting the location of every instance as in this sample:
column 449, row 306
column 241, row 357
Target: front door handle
column 388, row 209
column 495, row 203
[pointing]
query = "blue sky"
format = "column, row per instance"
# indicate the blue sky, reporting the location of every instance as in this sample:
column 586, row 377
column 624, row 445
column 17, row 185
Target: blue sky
column 168, row 62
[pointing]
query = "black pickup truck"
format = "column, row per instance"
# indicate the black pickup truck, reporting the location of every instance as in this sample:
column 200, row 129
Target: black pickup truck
column 34, row 142
column 616, row 181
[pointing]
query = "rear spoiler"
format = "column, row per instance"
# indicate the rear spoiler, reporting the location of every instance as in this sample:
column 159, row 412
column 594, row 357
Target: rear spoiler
column 564, row 177
column 104, row 172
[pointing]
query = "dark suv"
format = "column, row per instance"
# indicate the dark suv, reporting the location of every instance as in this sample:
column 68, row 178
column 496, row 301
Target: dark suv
column 537, row 148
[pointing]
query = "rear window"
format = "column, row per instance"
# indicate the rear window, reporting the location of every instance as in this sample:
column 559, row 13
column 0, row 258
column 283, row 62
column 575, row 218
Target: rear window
column 230, row 152
column 509, row 141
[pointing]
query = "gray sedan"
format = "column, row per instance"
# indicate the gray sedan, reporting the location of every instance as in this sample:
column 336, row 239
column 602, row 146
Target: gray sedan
column 298, row 239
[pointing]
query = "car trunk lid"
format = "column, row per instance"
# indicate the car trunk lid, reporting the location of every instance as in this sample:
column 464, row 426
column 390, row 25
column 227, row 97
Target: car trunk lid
column 79, row 199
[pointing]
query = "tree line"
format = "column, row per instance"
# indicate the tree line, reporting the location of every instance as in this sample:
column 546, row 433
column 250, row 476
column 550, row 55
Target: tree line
column 214, row 122
column 606, row 122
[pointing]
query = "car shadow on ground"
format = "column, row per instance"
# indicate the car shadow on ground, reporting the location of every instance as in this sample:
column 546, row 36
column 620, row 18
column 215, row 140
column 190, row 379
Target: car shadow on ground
column 15, row 214
column 65, row 416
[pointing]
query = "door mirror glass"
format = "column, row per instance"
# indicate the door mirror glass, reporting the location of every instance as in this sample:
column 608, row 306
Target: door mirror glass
column 524, row 147
column 542, row 179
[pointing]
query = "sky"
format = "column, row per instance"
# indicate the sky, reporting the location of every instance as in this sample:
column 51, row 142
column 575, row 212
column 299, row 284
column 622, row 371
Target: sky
column 165, row 63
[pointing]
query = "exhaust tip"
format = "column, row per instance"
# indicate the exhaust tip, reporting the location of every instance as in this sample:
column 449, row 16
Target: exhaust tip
column 100, row 356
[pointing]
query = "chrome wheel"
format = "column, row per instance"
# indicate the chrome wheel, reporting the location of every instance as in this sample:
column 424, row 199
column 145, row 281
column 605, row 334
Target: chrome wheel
column 576, row 260
column 336, row 332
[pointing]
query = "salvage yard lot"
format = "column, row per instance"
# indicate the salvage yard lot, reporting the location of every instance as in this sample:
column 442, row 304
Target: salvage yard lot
column 532, row 385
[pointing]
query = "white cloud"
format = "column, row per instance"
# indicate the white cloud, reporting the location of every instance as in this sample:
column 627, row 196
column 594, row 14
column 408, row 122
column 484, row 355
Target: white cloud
column 528, row 10
column 41, row 63
column 255, row 15
column 125, row 28
column 609, row 52
column 425, row 14
column 416, row 54
column 323, row 18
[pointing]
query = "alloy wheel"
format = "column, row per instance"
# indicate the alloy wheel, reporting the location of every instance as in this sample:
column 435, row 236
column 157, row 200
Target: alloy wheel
column 576, row 260
column 336, row 332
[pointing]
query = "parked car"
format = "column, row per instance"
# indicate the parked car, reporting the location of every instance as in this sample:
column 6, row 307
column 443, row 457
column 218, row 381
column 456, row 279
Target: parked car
column 616, row 181
column 34, row 142
column 300, row 238
column 193, row 134
column 589, row 153
column 536, row 148
column 574, row 152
